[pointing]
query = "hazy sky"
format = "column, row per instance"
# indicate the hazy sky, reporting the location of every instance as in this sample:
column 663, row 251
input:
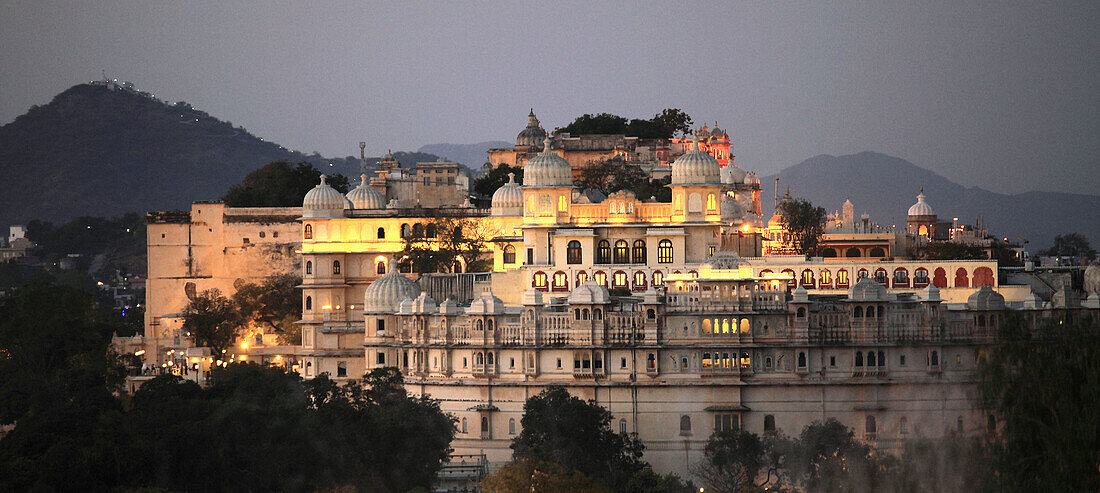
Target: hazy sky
column 1002, row 95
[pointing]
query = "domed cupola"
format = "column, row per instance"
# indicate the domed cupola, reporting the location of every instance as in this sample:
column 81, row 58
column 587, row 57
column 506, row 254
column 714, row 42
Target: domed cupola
column 589, row 293
column 387, row 292
column 365, row 197
column 921, row 208
column 508, row 199
column 695, row 168
column 548, row 169
column 732, row 175
column 324, row 201
column 985, row 299
column 533, row 135
column 867, row 290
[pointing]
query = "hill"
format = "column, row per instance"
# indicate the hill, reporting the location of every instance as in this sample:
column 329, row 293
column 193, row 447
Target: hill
column 100, row 151
column 471, row 155
column 885, row 187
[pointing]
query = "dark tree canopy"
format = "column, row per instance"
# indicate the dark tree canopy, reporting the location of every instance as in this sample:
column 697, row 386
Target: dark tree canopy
column 433, row 247
column 488, row 183
column 663, row 125
column 279, row 184
column 949, row 250
column 1041, row 383
column 560, row 428
column 275, row 305
column 614, row 174
column 1071, row 245
column 804, row 222
column 212, row 320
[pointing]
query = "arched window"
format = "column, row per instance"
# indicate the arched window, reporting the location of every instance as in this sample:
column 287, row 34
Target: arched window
column 584, row 314
column 380, row 267
column 939, row 280
column 639, row 280
column 573, row 252
column 808, row 278
column 429, row 231
column 658, row 278
column 622, row 426
column 418, row 230
column 309, row 302
column 880, row 276
column 707, row 327
column 859, row 359
column 935, row 358
column 901, row 277
column 561, row 281
column 563, row 204
column 871, row 312
column 489, row 356
column 983, row 276
column 619, row 279
column 870, row 426
column 769, row 423
column 530, row 203
column 828, row 253
column 871, row 359
column 335, row 267
column 852, row 252
column 801, row 360
column 857, row 312
column 685, row 425
column 826, row 277
column 479, row 359
column 309, row 232
column 597, row 314
column 801, row 312
column 603, row 252
column 511, row 426
column 582, row 277
column 538, row 281
column 405, row 230
column 381, row 233
column 664, row 252
column 881, row 358
column 622, row 255
column 920, row 277
column 877, row 252
column 841, row 278
column 309, row 267
column 650, row 314
column 981, row 320
column 961, row 279
column 601, row 278
column 638, row 253
column 695, row 203
column 509, row 254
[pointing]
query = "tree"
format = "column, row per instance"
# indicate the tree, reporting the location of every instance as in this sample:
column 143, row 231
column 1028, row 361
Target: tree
column 663, row 125
column 804, row 222
column 279, row 184
column 611, row 175
column 954, row 463
column 533, row 475
column 212, row 320
column 1071, row 245
column 563, row 429
column 949, row 250
column 488, row 183
column 436, row 246
column 733, row 460
column 273, row 304
column 1040, row 381
column 827, row 457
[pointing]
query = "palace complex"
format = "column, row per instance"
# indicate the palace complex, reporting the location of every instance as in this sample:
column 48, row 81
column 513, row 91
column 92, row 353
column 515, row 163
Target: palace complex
column 680, row 317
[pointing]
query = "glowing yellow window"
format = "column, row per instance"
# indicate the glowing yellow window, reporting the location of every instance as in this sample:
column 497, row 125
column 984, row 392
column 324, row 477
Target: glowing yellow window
column 563, row 204
column 711, row 203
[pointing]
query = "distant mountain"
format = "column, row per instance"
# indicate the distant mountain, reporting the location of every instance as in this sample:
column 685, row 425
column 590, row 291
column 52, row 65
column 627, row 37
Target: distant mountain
column 99, row 151
column 885, row 187
column 471, row 155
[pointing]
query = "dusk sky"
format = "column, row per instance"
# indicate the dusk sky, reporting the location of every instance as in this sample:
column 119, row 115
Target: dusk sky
column 1001, row 95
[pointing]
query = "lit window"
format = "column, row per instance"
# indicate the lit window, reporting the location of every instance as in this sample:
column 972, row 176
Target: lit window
column 621, row 252
column 540, row 280
column 658, row 278
column 563, row 204
column 309, row 232
column 603, row 252
column 638, row 253
column 601, row 278
column 573, row 252
column 619, row 281
column 509, row 254
column 664, row 252
column 561, row 280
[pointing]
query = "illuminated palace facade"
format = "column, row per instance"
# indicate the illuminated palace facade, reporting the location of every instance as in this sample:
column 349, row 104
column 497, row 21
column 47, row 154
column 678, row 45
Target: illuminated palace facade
column 664, row 313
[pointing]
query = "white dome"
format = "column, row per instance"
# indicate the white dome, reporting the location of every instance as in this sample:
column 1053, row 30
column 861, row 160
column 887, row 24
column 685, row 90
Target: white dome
column 424, row 304
column 921, row 208
column 730, row 209
column 723, row 260
column 985, row 299
column 324, row 201
column 732, row 175
column 695, row 168
column 867, row 290
column 589, row 293
column 384, row 294
column 931, row 293
column 365, row 197
column 508, row 199
column 547, row 169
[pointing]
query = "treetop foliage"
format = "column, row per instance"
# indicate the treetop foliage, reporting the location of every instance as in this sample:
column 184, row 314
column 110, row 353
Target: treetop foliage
column 488, row 183
column 1071, row 245
column 804, row 222
column 663, row 125
column 279, row 184
column 435, row 246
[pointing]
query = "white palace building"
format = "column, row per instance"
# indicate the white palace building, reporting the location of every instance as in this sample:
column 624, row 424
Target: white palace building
column 664, row 313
